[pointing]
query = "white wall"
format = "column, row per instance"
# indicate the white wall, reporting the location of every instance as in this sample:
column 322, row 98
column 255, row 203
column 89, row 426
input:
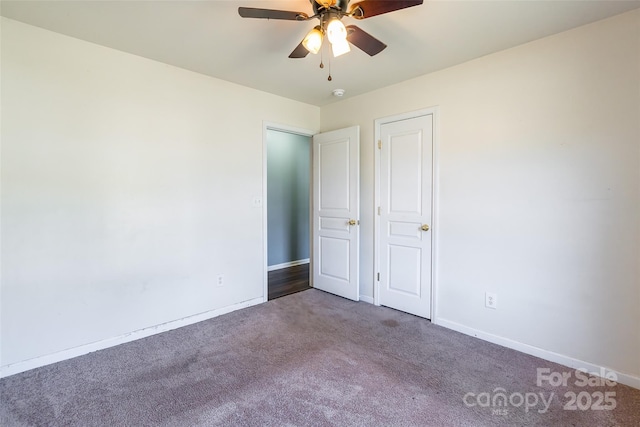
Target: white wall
column 127, row 187
column 539, row 194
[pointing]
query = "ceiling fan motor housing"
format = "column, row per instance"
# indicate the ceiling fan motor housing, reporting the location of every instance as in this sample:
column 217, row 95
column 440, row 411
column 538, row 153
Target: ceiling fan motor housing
column 340, row 4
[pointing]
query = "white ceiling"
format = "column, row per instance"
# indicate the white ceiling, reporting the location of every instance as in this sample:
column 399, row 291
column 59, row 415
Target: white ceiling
column 209, row 37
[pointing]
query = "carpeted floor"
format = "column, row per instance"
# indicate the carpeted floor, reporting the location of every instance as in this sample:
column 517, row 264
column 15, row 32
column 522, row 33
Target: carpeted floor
column 308, row 359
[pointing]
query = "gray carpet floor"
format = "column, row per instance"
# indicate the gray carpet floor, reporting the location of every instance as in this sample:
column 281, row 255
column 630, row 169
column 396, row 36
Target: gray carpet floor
column 308, row 359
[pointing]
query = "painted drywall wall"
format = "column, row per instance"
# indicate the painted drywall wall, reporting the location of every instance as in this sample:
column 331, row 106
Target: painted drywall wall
column 288, row 176
column 539, row 190
column 127, row 188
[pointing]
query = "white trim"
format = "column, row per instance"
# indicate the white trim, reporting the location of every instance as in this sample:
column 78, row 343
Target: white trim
column 367, row 299
column 376, row 216
column 70, row 353
column 433, row 111
column 287, row 264
column 627, row 379
column 290, row 129
column 265, row 244
column 435, row 211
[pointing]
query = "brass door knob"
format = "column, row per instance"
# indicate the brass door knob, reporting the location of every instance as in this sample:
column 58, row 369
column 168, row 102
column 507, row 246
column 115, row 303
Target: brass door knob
column 424, row 227
column 352, row 222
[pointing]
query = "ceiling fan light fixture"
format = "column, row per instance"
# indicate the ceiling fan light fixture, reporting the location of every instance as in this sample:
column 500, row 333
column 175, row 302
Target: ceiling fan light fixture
column 340, row 48
column 336, row 31
column 313, row 40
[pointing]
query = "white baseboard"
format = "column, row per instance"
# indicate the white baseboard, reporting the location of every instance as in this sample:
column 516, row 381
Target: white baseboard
column 287, row 264
column 627, row 379
column 16, row 368
column 366, row 299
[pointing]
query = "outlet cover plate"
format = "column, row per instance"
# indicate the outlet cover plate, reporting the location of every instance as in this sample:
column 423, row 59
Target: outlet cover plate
column 490, row 300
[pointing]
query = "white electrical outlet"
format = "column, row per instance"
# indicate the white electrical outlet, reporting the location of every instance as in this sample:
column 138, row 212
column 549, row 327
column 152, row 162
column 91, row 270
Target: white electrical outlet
column 490, row 300
column 220, row 280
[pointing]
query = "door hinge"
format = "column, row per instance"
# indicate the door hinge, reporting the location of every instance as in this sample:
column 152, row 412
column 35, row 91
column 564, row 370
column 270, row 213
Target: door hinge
column 378, row 277
column 378, row 210
column 379, row 144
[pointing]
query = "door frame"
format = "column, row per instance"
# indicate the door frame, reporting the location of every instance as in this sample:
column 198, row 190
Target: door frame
column 434, row 199
column 267, row 126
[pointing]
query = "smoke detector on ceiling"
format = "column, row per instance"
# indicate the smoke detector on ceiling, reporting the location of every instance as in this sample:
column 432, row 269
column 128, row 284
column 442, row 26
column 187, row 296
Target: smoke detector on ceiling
column 338, row 92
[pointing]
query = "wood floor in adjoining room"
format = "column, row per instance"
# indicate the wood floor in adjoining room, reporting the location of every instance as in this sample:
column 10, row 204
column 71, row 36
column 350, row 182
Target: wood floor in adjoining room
column 288, row 281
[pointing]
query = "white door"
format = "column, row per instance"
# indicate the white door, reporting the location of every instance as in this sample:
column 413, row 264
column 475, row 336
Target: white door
column 336, row 162
column 406, row 153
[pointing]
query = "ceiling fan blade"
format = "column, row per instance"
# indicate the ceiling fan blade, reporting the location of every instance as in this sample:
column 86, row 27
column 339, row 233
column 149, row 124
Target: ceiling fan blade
column 252, row 12
column 299, row 52
column 364, row 41
column 369, row 8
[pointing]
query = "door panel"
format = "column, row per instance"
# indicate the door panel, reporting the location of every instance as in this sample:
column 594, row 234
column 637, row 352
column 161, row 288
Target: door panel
column 336, row 202
column 405, row 206
column 405, row 173
column 405, row 275
column 334, row 173
column 334, row 258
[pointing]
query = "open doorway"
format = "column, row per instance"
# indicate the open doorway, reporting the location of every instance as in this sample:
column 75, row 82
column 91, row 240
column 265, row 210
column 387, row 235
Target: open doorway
column 288, row 176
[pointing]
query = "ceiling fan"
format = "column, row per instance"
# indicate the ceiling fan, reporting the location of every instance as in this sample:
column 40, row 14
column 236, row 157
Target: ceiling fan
column 330, row 14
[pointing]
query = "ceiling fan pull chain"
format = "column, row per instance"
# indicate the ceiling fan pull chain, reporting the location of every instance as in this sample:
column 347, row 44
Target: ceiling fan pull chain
column 329, row 60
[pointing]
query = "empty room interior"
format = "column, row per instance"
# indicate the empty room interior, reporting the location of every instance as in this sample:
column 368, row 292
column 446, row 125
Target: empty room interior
column 456, row 185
